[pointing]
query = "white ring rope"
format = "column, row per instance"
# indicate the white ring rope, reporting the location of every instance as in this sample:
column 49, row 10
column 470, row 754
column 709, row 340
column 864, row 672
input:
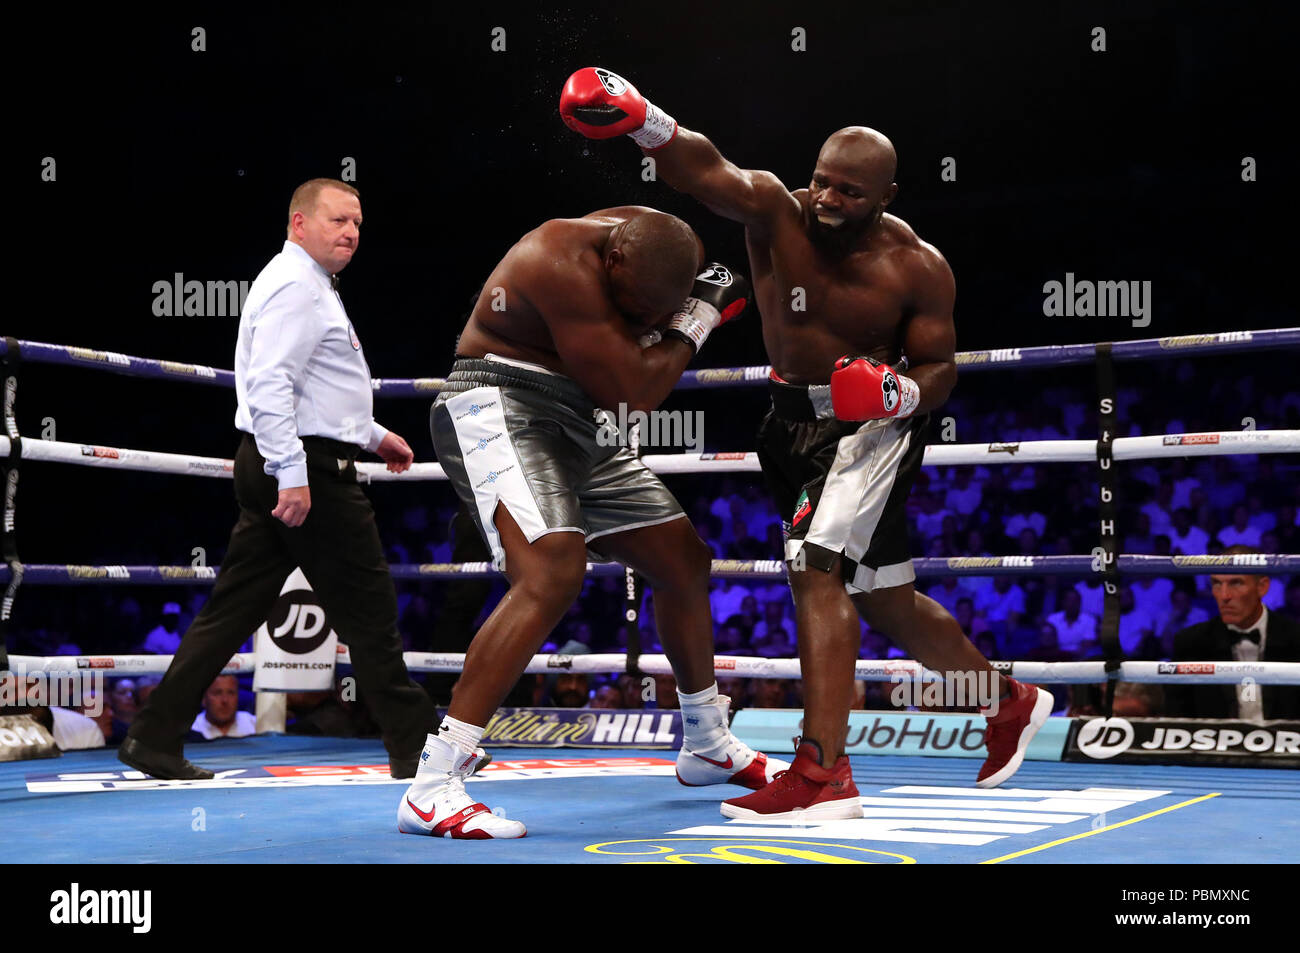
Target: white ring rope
column 729, row 666
column 1220, row 443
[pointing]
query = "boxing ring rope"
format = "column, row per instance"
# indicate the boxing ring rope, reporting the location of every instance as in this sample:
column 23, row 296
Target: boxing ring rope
column 1146, row 349
column 1124, row 448
column 55, row 574
column 1222, row 443
column 725, row 666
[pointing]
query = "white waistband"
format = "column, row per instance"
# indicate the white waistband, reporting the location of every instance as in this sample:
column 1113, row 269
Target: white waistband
column 526, row 365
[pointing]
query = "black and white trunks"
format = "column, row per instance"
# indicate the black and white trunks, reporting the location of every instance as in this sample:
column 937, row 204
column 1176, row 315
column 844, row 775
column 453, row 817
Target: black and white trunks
column 512, row 432
column 841, row 487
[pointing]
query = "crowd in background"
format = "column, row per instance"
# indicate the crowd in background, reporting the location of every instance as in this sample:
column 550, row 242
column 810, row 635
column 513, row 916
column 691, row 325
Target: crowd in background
column 1172, row 506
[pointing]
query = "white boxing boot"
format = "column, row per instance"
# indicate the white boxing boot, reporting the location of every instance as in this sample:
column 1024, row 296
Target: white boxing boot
column 711, row 754
column 436, row 802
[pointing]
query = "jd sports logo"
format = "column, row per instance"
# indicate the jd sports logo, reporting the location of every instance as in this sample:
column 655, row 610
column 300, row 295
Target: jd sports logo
column 716, row 274
column 1104, row 738
column 297, row 622
column 889, row 390
column 614, row 84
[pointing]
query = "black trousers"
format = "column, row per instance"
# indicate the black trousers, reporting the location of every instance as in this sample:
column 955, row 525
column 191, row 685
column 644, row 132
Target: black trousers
column 338, row 549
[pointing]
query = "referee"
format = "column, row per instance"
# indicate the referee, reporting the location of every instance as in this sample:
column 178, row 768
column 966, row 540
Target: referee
column 305, row 405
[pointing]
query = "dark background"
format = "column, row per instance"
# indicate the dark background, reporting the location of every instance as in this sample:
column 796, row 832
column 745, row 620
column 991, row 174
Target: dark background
column 1117, row 165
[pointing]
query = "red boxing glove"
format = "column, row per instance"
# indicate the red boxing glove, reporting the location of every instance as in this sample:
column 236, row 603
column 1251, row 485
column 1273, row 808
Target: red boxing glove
column 865, row 389
column 601, row 105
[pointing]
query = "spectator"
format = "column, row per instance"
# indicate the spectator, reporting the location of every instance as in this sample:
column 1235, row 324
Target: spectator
column 726, row 598
column 971, row 624
column 98, row 706
column 1158, row 511
column 1004, row 603
column 607, row 696
column 1184, row 484
column 964, row 496
column 770, row 692
column 1240, row 533
column 1092, row 595
column 666, row 692
column 1141, row 541
column 1152, row 594
column 730, row 638
column 1075, row 628
column 949, row 592
column 1244, row 631
column 1179, row 614
column 221, row 717
column 1136, row 628
column 71, row 730
column 772, row 632
column 632, row 691
column 1022, row 517
column 987, row 643
column 569, row 690
column 1293, row 599
column 1138, row 700
column 1186, row 539
column 165, row 638
column 1048, row 648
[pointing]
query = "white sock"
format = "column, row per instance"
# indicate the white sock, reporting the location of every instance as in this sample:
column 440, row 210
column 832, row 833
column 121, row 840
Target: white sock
column 704, row 726
column 462, row 736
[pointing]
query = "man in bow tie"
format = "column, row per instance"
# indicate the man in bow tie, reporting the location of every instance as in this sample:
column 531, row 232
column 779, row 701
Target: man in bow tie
column 1245, row 631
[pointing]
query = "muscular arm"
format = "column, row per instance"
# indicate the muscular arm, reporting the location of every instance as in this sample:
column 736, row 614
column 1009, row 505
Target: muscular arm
column 692, row 164
column 929, row 338
column 598, row 348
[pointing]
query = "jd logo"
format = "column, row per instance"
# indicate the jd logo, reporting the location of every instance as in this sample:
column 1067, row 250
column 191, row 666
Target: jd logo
column 712, row 850
column 1103, row 738
column 297, row 622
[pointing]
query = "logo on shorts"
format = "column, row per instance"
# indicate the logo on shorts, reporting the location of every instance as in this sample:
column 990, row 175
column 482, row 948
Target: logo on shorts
column 476, row 409
column 483, row 442
column 614, row 84
column 889, row 390
column 492, row 476
column 801, row 509
column 716, row 274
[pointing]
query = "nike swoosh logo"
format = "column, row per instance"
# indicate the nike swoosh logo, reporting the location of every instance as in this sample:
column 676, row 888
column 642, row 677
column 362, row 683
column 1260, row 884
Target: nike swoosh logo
column 427, row 818
column 716, row 764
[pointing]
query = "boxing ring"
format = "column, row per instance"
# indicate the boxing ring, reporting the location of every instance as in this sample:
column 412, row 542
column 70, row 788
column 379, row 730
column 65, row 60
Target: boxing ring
column 616, row 806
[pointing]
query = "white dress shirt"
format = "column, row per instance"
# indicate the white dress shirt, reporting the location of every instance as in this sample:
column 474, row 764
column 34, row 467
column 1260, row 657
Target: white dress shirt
column 245, row 724
column 299, row 369
column 73, row 731
column 1250, row 707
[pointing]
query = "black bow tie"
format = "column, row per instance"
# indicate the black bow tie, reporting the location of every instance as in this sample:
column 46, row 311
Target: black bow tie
column 1252, row 635
column 334, row 282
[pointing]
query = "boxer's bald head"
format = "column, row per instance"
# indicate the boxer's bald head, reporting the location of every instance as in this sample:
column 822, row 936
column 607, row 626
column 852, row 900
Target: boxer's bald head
column 852, row 183
column 651, row 261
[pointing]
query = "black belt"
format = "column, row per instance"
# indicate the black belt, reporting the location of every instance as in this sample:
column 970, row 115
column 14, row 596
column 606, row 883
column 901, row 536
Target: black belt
column 470, row 372
column 327, row 445
column 800, row 402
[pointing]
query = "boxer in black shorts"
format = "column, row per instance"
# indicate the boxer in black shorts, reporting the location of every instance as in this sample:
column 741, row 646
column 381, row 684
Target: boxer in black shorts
column 846, row 291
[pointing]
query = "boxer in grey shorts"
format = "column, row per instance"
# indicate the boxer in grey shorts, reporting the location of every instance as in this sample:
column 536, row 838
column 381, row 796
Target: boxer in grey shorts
column 517, row 433
column 594, row 312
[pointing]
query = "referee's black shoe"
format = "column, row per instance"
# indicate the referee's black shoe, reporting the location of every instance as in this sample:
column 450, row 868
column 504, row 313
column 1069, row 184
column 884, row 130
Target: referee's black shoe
column 164, row 767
